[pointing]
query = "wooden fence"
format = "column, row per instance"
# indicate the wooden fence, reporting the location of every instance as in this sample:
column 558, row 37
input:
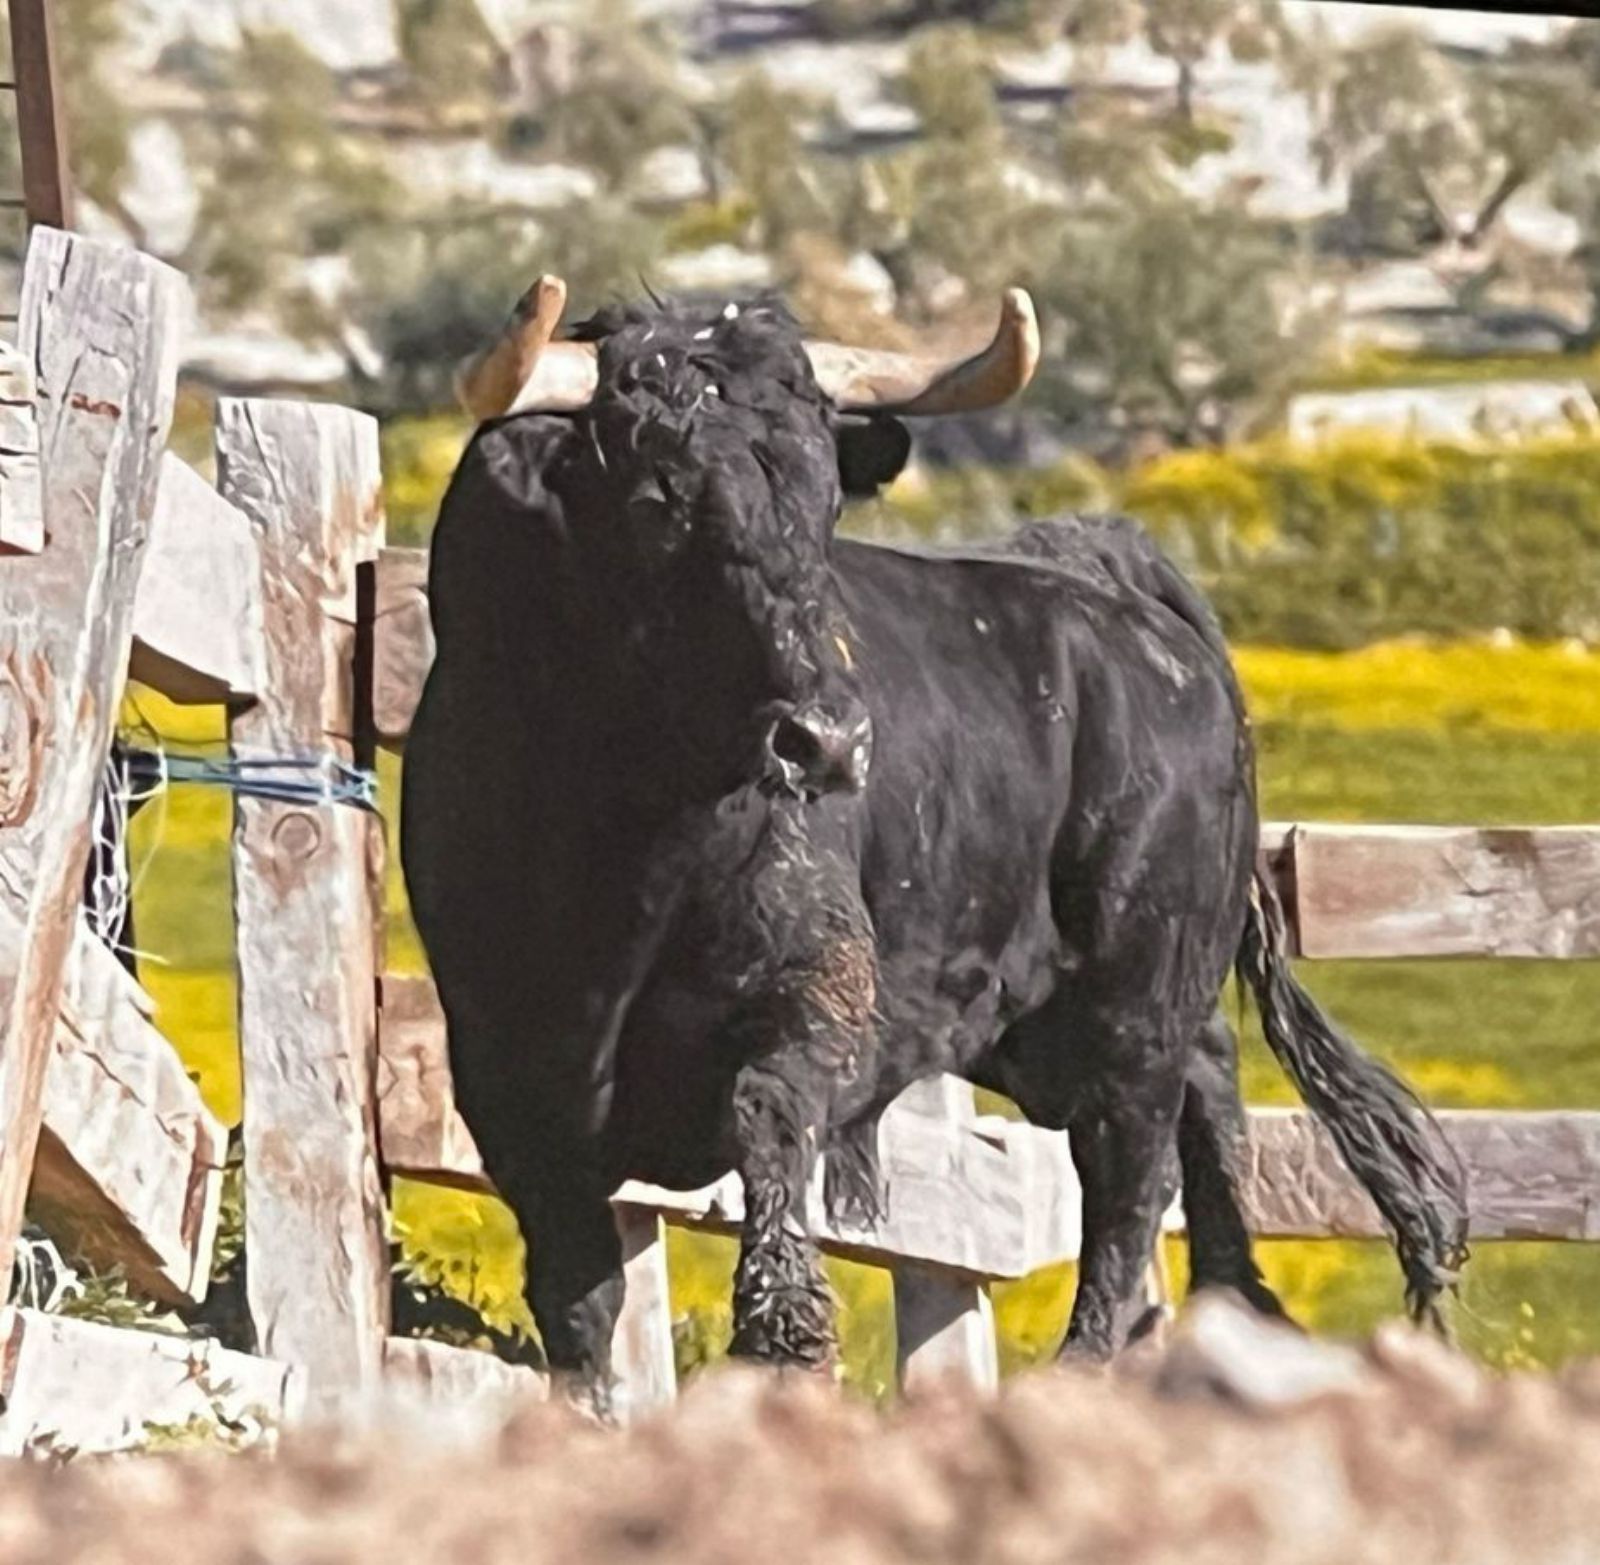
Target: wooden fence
column 272, row 592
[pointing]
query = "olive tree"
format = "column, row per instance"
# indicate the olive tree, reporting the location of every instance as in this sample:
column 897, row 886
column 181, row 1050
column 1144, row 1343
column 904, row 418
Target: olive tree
column 1435, row 145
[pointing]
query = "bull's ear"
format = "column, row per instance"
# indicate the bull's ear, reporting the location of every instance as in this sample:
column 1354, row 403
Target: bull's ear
column 872, row 451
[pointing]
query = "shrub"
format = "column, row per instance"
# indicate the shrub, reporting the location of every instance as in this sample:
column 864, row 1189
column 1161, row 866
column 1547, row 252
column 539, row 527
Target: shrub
column 1335, row 545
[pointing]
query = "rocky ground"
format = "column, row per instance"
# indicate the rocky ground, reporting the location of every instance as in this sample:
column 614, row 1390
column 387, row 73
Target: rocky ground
column 1236, row 1443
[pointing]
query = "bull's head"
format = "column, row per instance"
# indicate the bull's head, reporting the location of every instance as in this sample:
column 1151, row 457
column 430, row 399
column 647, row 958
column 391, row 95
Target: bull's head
column 729, row 440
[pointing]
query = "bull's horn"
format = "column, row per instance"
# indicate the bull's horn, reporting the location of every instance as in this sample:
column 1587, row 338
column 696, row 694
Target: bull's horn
column 488, row 383
column 865, row 378
column 522, row 370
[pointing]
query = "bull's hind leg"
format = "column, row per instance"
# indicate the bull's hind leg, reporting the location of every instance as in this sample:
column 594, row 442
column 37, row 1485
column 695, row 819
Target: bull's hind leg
column 1122, row 1138
column 1211, row 1139
column 1111, row 1075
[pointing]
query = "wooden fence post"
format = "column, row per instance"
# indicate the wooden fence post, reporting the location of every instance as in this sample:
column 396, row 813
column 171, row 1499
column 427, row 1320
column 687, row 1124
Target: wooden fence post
column 101, row 326
column 641, row 1347
column 944, row 1321
column 944, row 1329
column 21, row 500
column 309, row 925
column 41, row 125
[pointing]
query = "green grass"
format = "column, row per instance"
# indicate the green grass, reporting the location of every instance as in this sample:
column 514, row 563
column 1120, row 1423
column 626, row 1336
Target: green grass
column 1376, row 369
column 1403, row 733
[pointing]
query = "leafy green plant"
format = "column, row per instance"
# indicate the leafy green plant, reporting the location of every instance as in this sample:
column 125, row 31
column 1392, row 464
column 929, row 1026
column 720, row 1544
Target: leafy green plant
column 1334, row 545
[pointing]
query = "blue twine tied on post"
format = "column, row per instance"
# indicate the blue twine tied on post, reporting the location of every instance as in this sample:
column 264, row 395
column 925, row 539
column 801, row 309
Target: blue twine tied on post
column 289, row 779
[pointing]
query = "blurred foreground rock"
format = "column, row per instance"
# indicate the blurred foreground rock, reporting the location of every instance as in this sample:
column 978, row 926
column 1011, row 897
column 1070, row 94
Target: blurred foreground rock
column 1240, row 1442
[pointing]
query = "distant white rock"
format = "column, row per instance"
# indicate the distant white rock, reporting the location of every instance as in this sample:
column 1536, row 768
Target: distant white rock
column 258, row 356
column 361, row 34
column 720, row 268
column 1538, row 225
column 866, row 276
column 1461, row 29
column 475, row 170
column 672, row 174
column 856, row 77
column 1399, row 285
column 879, row 117
column 159, row 192
column 1488, row 410
column 509, row 19
column 1270, row 164
column 345, row 34
column 1037, row 66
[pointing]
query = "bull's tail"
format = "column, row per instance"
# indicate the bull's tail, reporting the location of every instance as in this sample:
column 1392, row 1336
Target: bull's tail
column 1386, row 1137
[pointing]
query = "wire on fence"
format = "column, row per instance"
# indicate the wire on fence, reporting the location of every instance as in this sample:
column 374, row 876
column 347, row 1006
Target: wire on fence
column 289, row 779
column 135, row 776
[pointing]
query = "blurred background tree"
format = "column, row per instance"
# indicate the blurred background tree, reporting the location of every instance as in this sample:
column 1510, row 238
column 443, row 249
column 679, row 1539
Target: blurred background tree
column 622, row 99
column 1188, row 32
column 1436, row 147
column 962, row 207
column 455, row 67
column 1175, row 322
column 762, row 149
column 279, row 183
column 430, row 289
column 88, row 34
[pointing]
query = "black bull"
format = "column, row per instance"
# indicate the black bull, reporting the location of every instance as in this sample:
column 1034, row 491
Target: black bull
column 720, row 831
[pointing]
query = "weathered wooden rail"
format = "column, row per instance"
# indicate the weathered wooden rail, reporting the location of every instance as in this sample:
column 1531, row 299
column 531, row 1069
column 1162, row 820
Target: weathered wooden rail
column 272, row 592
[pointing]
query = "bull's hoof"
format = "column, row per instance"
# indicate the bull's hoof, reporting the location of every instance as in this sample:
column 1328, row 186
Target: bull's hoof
column 1251, row 1291
column 1140, row 1339
column 590, row 1396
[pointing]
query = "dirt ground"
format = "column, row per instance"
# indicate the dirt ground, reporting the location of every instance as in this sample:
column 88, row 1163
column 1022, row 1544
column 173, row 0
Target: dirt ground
column 1236, row 1444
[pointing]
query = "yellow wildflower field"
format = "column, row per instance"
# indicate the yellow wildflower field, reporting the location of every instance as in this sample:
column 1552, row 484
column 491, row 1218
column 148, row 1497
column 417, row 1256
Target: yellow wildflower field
column 1471, row 731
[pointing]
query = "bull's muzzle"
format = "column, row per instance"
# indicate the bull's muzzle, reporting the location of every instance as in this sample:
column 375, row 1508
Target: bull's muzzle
column 815, row 750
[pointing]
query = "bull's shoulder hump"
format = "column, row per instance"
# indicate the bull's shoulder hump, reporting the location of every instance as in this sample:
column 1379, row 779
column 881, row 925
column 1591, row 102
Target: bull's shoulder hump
column 508, row 466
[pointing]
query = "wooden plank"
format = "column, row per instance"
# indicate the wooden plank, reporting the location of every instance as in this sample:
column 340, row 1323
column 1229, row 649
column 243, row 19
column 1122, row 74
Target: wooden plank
column 1531, row 1175
column 997, row 1198
column 991, row 1198
column 958, row 1197
column 129, row 1169
column 76, row 1386
column 41, row 118
column 21, row 485
column 420, row 1130
column 439, row 1372
column 403, row 645
column 947, row 1098
column 307, row 479
column 944, row 1330
column 1372, row 891
column 197, row 628
column 101, row 326
column 642, row 1359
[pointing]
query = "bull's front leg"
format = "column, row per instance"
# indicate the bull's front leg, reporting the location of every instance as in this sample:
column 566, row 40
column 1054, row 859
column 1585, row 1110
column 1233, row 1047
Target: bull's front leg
column 782, row 1307
column 817, row 1020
